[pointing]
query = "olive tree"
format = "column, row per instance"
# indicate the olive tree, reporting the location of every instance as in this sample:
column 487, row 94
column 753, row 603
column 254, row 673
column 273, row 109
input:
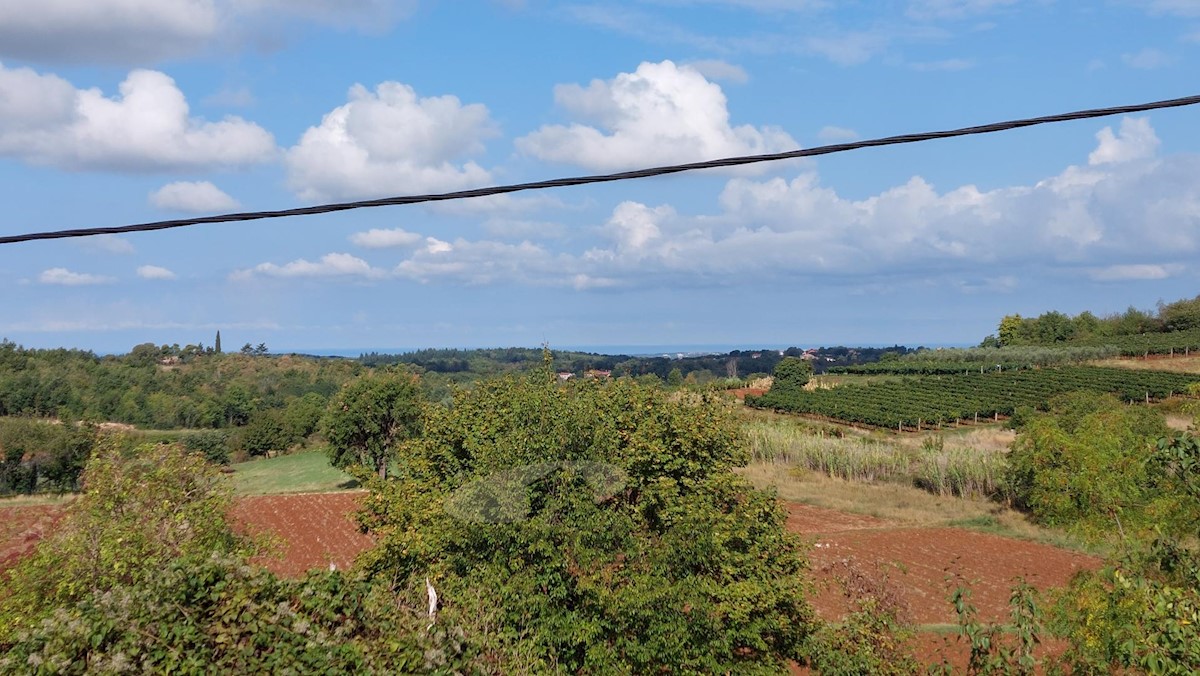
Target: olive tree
column 370, row 417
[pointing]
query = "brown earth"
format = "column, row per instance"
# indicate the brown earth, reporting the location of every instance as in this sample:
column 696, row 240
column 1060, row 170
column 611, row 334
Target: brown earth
column 924, row 565
column 917, row 569
column 310, row 530
column 22, row 527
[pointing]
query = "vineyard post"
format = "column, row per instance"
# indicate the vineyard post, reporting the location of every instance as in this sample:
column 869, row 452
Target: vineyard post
column 976, row 417
column 1147, row 397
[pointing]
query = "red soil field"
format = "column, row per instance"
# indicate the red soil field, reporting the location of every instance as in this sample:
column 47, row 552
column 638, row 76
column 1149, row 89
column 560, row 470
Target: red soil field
column 310, row 530
column 918, row 569
column 924, row 565
column 22, row 527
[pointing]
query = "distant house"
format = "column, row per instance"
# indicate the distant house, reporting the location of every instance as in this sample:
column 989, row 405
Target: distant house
column 170, row 360
column 564, row 376
column 597, row 373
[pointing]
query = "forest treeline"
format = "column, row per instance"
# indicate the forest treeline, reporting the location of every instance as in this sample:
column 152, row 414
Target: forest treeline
column 230, row 406
column 1086, row 327
column 170, row 388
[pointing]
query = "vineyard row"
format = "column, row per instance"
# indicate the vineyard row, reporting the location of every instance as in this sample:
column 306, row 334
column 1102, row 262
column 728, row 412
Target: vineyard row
column 939, row 400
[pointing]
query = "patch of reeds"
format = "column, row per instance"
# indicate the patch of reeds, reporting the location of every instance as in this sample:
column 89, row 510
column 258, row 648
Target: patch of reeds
column 953, row 471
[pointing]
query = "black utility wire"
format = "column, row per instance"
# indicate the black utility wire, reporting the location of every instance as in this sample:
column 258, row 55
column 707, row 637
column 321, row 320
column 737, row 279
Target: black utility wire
column 604, row 178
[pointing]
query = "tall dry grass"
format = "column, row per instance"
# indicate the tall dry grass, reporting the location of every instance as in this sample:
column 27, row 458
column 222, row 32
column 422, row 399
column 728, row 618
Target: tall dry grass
column 935, row 466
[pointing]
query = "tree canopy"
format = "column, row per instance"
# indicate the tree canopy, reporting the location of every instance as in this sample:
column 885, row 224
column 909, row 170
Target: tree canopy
column 593, row 528
column 370, row 417
column 791, row 375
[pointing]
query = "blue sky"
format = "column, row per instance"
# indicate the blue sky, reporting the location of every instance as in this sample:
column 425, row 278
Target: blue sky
column 123, row 111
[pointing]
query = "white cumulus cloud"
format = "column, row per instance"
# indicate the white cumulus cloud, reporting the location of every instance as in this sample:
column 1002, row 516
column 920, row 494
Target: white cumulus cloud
column 1136, row 140
column 484, row 262
column 390, row 142
column 155, row 272
column 383, row 239
column 64, row 277
column 659, row 114
column 45, row 120
column 1112, row 218
column 330, row 265
column 192, row 196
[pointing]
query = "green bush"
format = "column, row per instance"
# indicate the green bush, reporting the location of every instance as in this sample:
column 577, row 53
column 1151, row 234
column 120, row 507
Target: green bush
column 610, row 534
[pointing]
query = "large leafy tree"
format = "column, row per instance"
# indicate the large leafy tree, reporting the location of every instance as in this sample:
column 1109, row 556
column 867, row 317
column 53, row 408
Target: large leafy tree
column 790, row 376
column 593, row 528
column 370, row 417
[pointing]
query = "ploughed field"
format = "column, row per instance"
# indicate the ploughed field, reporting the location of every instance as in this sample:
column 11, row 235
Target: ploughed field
column 919, row 565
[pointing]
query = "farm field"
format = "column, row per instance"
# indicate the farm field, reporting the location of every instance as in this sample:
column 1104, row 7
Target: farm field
column 917, row 552
column 308, row 472
column 924, row 564
column 21, row 526
column 946, row 400
column 305, row 530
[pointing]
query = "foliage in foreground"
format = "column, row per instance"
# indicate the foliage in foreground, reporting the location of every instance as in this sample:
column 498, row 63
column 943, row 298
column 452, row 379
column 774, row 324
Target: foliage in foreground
column 145, row 575
column 1111, row 472
column 220, row 615
column 139, row 510
column 593, row 528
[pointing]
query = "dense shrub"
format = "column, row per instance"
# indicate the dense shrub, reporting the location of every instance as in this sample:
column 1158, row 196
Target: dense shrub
column 594, row 528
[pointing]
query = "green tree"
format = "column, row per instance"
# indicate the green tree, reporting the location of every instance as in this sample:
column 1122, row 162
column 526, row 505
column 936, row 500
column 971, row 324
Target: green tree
column 370, row 418
column 1011, row 330
column 675, row 377
column 790, row 376
column 593, row 528
column 144, row 575
column 1182, row 315
column 1084, row 466
column 302, row 416
column 265, row 433
column 217, row 344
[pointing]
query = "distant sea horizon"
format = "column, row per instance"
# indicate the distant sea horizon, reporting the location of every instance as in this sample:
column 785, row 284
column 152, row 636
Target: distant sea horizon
column 650, row 350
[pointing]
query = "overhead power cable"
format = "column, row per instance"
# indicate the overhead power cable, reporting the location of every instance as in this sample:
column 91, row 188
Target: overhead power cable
column 606, row 178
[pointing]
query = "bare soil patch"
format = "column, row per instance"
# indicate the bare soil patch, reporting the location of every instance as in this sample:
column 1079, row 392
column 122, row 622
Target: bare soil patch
column 22, row 527
column 306, row 531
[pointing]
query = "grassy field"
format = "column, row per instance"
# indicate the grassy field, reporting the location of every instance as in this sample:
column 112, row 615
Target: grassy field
column 1180, row 364
column 37, row 499
column 308, row 472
